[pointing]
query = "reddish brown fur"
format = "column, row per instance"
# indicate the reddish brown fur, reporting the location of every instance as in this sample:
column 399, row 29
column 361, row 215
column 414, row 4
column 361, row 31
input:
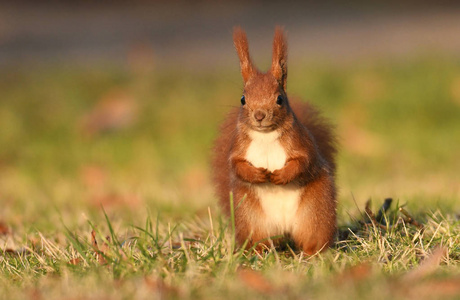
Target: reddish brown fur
column 305, row 137
column 242, row 48
column 279, row 61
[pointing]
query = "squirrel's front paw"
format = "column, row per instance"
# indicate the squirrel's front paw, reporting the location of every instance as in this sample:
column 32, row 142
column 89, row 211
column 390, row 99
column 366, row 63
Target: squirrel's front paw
column 260, row 175
column 279, row 177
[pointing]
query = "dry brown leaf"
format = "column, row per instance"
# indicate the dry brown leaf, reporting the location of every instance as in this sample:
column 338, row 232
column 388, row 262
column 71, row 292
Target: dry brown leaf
column 115, row 110
column 355, row 273
column 112, row 199
column 4, row 229
column 74, row 261
column 104, row 248
column 175, row 245
column 431, row 289
column 255, row 281
column 446, row 287
column 99, row 253
column 93, row 240
column 17, row 252
column 159, row 286
column 427, row 266
column 35, row 294
column 93, row 176
column 9, row 251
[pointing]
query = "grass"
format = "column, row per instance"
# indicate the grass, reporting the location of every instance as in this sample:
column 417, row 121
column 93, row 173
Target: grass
column 143, row 188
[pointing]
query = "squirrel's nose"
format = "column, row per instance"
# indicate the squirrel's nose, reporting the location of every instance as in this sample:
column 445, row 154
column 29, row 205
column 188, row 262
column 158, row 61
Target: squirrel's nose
column 259, row 115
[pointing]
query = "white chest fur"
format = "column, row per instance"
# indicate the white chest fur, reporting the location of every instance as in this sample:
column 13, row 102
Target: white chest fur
column 265, row 150
column 279, row 202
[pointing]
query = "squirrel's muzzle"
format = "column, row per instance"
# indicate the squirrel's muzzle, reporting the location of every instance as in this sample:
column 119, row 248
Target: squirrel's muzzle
column 259, row 115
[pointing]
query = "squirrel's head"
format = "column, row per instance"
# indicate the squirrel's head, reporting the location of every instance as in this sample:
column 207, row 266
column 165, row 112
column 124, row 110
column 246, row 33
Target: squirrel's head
column 264, row 104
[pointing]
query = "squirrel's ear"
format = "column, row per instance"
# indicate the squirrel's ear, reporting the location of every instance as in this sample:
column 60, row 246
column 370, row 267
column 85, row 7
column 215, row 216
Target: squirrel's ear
column 242, row 48
column 279, row 60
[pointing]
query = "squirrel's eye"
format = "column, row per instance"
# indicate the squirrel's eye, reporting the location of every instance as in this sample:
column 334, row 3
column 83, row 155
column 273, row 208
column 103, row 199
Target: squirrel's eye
column 243, row 100
column 279, row 100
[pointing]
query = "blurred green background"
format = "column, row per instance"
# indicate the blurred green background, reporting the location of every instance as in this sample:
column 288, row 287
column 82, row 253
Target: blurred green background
column 116, row 106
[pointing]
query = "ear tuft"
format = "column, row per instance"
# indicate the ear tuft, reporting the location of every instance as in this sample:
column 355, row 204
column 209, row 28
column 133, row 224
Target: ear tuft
column 242, row 48
column 279, row 60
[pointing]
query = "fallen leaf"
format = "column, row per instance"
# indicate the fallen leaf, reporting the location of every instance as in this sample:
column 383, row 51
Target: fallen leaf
column 431, row 289
column 159, row 286
column 99, row 253
column 354, row 274
column 4, row 229
column 427, row 266
column 255, row 281
column 35, row 294
column 446, row 287
column 114, row 111
column 93, row 176
column 75, row 261
column 17, row 252
column 113, row 199
column 9, row 251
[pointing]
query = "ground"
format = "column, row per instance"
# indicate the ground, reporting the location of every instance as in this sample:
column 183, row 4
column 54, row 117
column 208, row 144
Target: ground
column 105, row 184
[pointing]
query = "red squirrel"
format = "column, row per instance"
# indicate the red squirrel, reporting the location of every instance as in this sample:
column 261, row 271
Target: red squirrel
column 277, row 158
